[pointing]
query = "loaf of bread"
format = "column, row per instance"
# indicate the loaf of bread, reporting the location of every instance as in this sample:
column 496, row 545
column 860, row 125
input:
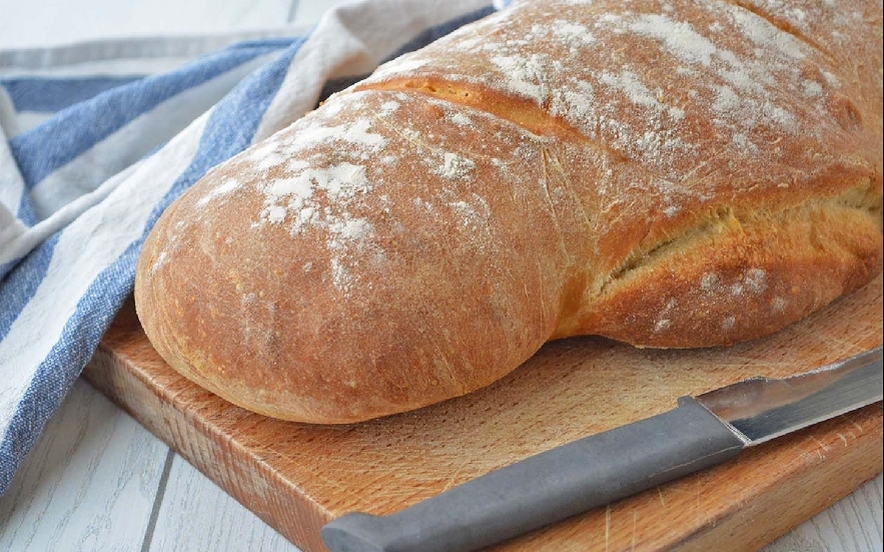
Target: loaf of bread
column 667, row 173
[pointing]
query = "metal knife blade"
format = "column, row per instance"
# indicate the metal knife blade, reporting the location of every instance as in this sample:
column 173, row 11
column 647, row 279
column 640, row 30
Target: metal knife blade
column 591, row 472
column 761, row 409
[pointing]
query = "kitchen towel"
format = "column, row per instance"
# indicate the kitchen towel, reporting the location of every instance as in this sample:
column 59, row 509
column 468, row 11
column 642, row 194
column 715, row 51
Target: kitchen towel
column 97, row 139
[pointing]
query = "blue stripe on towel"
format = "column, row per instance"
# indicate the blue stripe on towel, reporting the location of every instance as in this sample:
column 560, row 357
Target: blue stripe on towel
column 72, row 131
column 21, row 283
column 54, row 94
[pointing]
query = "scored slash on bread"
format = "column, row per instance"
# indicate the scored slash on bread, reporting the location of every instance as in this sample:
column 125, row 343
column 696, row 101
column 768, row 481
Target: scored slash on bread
column 664, row 173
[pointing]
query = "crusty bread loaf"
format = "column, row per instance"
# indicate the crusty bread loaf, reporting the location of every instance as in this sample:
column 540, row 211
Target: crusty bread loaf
column 666, row 173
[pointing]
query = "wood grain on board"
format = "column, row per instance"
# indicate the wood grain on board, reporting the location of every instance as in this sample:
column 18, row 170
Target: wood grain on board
column 297, row 477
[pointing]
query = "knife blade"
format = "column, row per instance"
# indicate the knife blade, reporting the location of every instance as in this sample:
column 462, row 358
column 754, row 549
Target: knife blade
column 702, row 432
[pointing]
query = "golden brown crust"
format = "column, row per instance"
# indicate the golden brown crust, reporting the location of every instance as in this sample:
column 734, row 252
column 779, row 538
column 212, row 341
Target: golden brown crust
column 674, row 174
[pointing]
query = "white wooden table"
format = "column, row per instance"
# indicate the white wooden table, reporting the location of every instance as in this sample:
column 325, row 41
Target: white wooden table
column 96, row 479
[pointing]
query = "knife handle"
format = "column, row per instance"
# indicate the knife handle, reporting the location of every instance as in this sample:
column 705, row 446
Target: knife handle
column 547, row 487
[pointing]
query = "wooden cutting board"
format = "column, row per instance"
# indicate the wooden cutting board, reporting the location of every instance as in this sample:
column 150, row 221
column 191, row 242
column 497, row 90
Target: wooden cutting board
column 297, row 477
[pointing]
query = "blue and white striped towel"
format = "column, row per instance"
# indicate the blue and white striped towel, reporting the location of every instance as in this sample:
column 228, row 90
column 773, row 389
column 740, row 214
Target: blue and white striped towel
column 98, row 138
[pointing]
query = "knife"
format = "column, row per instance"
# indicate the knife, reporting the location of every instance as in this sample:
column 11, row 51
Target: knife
column 702, row 432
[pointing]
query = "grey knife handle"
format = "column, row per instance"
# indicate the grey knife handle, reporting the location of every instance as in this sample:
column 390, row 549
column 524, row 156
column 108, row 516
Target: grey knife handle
column 546, row 488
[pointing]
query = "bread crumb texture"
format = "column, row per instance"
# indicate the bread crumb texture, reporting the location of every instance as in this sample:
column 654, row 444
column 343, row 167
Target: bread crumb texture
column 664, row 173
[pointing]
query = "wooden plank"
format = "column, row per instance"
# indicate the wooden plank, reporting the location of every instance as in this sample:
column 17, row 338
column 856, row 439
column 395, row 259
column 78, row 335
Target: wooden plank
column 222, row 522
column 88, row 484
column 851, row 525
column 296, row 476
column 53, row 22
